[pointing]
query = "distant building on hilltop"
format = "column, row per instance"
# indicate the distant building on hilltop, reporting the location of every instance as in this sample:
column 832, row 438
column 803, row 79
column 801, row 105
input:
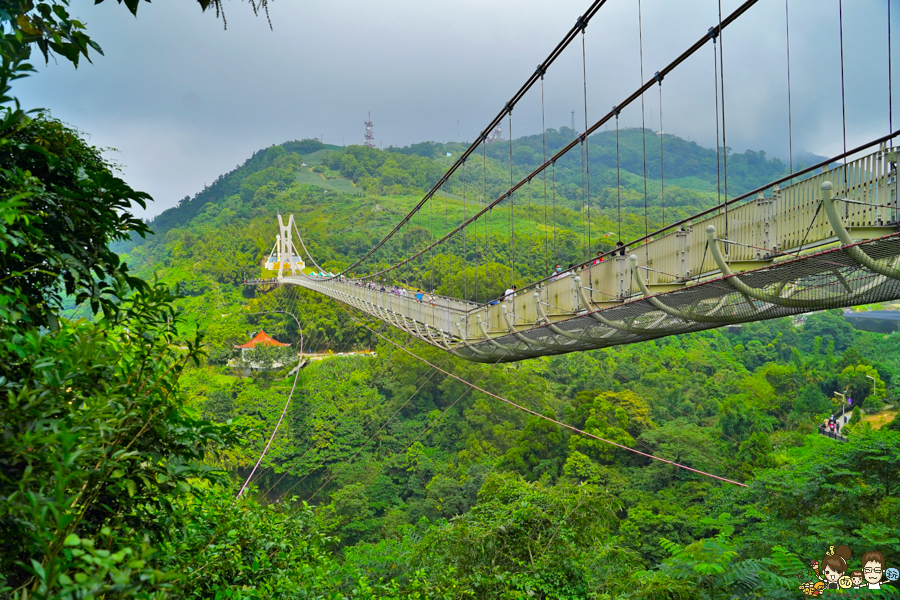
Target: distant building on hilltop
column 496, row 135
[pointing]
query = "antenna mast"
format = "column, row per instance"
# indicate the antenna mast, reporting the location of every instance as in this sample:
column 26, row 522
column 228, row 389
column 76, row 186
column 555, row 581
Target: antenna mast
column 370, row 134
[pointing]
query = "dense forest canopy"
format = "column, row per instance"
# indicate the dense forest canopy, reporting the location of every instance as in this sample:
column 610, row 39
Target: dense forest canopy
column 129, row 424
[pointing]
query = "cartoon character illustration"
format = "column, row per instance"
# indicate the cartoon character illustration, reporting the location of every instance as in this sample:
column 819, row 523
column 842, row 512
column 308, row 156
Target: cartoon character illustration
column 857, row 578
column 812, row 588
column 834, row 565
column 873, row 567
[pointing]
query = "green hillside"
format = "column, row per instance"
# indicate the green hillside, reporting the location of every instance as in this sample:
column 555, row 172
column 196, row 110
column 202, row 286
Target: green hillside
column 429, row 488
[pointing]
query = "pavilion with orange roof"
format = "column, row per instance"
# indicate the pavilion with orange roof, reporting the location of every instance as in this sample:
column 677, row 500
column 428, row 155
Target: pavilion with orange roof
column 260, row 339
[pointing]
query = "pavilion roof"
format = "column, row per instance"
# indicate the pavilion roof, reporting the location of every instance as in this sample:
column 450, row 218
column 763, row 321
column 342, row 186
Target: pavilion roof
column 262, row 338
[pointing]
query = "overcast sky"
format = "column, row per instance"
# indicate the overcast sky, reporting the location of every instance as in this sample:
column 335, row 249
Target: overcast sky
column 184, row 100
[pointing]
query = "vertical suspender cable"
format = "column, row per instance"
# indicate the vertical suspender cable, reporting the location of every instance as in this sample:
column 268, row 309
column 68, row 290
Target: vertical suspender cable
column 465, row 254
column 843, row 95
column 643, row 125
column 662, row 165
column 890, row 94
column 530, row 194
column 787, row 25
column 487, row 218
column 512, row 231
column 529, row 213
column 718, row 137
column 583, row 229
column 431, row 283
column 544, row 149
column 587, row 145
column 406, row 249
column 724, row 138
column 555, row 258
column 618, row 178
column 890, row 83
column 475, row 254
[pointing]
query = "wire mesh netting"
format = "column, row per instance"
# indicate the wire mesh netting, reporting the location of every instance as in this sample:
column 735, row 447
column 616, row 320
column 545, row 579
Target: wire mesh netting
column 830, row 279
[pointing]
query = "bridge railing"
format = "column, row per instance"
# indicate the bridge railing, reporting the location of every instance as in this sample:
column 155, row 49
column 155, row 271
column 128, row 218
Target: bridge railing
column 442, row 313
column 759, row 232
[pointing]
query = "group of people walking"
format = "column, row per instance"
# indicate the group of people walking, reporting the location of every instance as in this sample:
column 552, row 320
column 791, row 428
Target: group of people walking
column 832, row 426
column 396, row 290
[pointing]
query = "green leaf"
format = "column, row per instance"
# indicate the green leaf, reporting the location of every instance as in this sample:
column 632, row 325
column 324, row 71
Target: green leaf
column 72, row 540
column 38, row 569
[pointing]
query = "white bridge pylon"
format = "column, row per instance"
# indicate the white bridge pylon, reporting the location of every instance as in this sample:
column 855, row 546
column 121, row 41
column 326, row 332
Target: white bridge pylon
column 782, row 255
column 284, row 254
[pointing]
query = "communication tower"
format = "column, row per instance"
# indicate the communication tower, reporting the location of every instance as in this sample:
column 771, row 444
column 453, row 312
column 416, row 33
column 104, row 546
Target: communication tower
column 370, row 134
column 573, row 120
column 496, row 135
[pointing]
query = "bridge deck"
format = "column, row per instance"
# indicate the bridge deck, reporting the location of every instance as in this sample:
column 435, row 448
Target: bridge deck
column 789, row 253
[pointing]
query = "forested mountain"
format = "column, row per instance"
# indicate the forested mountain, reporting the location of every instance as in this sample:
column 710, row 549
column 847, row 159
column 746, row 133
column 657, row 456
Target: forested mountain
column 430, row 489
column 691, row 178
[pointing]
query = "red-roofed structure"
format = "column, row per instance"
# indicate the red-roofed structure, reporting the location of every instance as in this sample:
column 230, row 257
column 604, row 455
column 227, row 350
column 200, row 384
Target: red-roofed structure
column 262, row 338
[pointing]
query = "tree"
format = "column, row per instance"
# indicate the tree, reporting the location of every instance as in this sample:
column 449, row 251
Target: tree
column 615, row 416
column 855, row 380
column 94, row 446
column 95, row 449
column 522, row 536
column 539, row 450
column 830, row 326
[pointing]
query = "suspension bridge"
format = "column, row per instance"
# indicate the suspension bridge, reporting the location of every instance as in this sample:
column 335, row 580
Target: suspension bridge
column 821, row 237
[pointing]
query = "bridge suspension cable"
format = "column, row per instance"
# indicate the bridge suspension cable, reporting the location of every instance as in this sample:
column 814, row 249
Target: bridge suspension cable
column 731, row 18
column 719, row 298
column 582, row 22
column 750, row 194
column 287, row 403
